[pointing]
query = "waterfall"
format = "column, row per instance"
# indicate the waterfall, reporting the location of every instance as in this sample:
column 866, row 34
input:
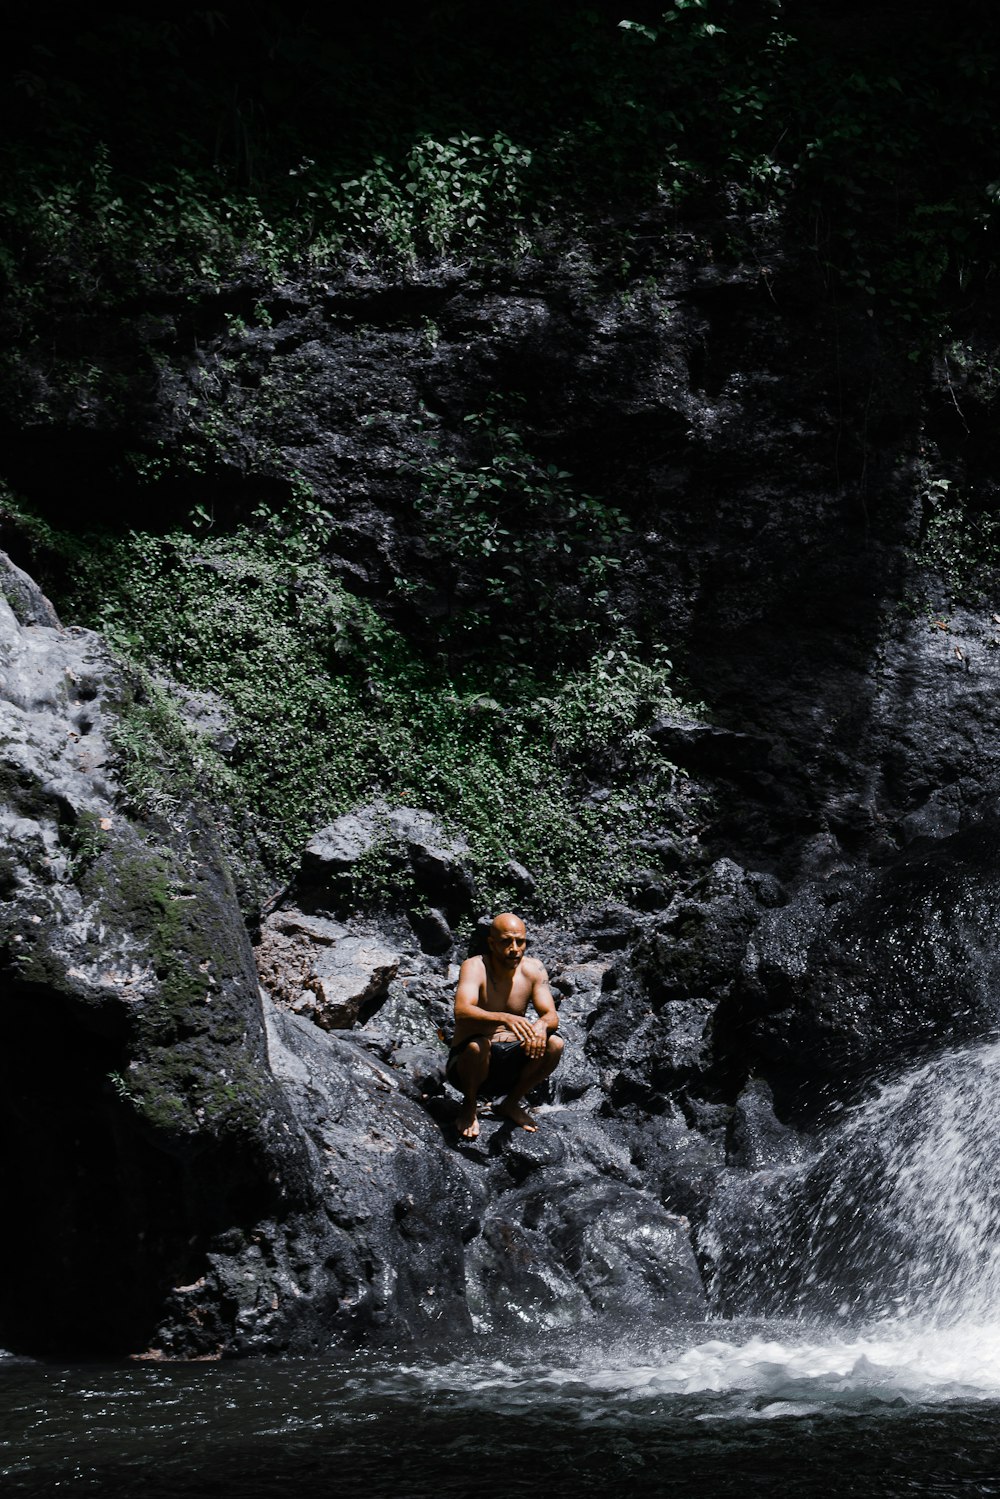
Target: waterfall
column 870, row 1270
column 898, row 1216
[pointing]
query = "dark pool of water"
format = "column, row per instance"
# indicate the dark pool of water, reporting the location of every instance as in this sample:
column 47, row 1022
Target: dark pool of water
column 363, row 1427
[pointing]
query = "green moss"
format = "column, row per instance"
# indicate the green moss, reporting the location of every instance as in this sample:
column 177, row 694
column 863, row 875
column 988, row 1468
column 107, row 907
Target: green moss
column 329, row 707
column 176, row 1092
column 188, row 1074
column 139, row 889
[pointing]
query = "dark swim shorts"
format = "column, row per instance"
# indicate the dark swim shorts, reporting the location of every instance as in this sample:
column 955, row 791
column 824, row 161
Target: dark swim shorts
column 507, row 1061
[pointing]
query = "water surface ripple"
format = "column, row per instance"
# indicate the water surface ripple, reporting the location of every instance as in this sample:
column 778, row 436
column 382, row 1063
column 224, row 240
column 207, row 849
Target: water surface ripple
column 736, row 1410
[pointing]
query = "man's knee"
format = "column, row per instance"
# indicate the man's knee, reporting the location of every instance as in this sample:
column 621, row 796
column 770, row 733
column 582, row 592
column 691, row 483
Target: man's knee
column 475, row 1056
column 554, row 1048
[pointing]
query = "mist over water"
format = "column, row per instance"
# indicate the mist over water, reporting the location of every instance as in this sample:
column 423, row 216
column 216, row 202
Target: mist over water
column 881, row 1253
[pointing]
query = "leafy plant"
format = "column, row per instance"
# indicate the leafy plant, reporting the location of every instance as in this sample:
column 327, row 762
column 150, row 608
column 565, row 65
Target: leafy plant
column 319, row 706
column 522, row 547
column 959, row 546
column 443, row 195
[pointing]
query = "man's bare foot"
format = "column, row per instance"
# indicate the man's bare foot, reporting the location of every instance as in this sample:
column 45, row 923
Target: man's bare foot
column 512, row 1110
column 466, row 1122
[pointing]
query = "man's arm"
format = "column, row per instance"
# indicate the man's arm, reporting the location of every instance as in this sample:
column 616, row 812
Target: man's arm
column 468, row 1009
column 544, row 1003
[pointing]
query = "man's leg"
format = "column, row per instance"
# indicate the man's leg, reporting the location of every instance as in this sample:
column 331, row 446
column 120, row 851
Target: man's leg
column 533, row 1074
column 469, row 1074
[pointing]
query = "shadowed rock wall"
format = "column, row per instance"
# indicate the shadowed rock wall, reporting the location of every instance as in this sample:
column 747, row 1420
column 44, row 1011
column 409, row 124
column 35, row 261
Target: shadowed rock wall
column 221, row 1187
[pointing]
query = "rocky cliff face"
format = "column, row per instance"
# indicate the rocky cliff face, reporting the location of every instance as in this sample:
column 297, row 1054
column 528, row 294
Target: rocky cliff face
column 140, row 1114
column 232, row 1179
column 225, row 1178
column 194, row 1169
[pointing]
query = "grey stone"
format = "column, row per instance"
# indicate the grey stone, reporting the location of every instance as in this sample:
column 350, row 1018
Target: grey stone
column 321, row 970
column 412, row 843
column 404, row 1017
column 26, row 599
column 757, row 1139
column 519, row 878
column 432, row 929
column 134, row 1044
column 573, row 1248
column 939, row 817
column 337, row 848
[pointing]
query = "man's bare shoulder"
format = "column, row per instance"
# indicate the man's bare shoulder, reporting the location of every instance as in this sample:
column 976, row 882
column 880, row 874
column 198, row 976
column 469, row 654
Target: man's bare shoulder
column 473, row 967
column 534, row 970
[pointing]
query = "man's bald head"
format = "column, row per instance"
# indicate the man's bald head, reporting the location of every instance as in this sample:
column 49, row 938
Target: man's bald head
column 507, row 921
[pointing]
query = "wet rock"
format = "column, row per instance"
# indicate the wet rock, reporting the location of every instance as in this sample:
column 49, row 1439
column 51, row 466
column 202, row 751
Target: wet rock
column 611, row 1024
column 404, row 1016
column 694, row 950
column 578, row 996
column 524, row 1152
column 868, row 968
column 678, row 1164
column 574, row 1248
column 423, row 1065
column 938, row 817
column 589, row 1140
column 757, row 1139
column 664, row 1050
column 408, row 1036
column 435, row 993
column 383, row 1258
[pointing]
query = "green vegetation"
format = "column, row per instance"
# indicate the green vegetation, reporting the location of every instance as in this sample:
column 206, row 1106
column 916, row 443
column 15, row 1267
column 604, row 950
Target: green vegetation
column 328, row 706
column 958, row 555
column 292, row 143
column 243, row 156
column 520, row 544
column 444, row 194
column 957, row 550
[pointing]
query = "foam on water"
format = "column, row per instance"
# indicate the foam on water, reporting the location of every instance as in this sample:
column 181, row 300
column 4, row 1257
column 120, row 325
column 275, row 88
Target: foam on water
column 896, row 1217
column 906, row 1362
column 925, row 1148
column 909, row 1363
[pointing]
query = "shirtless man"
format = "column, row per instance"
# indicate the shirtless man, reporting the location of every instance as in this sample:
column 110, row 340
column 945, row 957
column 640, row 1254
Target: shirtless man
column 495, row 1046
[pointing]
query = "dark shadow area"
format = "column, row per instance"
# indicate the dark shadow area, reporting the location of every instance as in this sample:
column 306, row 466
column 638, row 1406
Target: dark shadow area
column 898, row 963
column 102, row 1218
column 77, row 481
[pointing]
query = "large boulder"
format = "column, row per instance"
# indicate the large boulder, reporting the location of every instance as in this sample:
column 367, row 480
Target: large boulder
column 572, row 1248
column 379, row 846
column 321, row 969
column 384, row 1260
column 138, row 1113
column 869, row 968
